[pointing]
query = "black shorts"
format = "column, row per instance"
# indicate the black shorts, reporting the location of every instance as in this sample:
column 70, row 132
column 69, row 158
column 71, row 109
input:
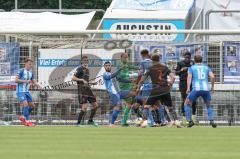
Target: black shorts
column 165, row 99
column 85, row 95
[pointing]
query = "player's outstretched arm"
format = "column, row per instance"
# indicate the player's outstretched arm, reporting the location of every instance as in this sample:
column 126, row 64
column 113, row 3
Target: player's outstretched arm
column 35, row 83
column 74, row 78
column 120, row 79
column 115, row 74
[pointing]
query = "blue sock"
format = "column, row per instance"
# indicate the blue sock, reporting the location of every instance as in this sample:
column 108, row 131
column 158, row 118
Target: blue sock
column 30, row 109
column 210, row 113
column 188, row 112
column 25, row 112
column 114, row 116
column 150, row 115
column 145, row 113
column 161, row 114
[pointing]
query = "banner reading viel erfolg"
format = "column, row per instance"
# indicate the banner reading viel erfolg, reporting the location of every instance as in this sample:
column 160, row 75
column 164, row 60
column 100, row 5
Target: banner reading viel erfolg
column 9, row 63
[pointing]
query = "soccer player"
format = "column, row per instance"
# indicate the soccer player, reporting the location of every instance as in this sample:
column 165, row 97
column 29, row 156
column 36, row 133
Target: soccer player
column 24, row 79
column 85, row 93
column 125, row 84
column 182, row 72
column 198, row 76
column 161, row 87
column 114, row 95
column 145, row 64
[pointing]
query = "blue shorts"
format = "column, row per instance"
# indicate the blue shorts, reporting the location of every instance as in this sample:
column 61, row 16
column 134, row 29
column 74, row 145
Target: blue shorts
column 116, row 98
column 24, row 96
column 206, row 95
column 146, row 90
column 139, row 99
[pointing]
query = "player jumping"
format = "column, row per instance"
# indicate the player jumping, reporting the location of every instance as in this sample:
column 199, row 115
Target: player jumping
column 198, row 76
column 23, row 79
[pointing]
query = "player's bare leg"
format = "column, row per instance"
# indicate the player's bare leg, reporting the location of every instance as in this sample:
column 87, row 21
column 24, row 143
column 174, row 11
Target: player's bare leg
column 92, row 114
column 116, row 111
column 188, row 112
column 210, row 114
column 82, row 114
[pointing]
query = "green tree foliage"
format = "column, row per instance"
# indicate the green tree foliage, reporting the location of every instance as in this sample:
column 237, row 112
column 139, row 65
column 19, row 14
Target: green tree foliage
column 53, row 4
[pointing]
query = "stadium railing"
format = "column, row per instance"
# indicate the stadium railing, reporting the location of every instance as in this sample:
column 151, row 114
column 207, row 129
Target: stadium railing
column 60, row 107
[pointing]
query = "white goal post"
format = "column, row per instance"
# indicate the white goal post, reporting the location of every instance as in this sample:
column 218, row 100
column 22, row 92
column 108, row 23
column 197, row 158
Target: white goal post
column 64, row 32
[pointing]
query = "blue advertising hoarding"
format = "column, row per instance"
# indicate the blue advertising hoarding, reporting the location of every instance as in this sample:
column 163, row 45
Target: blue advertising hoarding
column 137, row 24
column 9, row 62
column 232, row 62
column 154, row 4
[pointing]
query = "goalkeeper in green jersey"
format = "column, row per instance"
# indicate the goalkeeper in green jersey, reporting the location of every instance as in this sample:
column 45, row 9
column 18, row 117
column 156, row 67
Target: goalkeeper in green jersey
column 126, row 84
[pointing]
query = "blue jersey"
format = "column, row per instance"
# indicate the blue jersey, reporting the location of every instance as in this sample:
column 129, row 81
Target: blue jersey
column 107, row 78
column 145, row 65
column 24, row 75
column 200, row 73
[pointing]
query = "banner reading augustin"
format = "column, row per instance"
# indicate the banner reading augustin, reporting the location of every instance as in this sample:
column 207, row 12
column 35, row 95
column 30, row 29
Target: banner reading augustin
column 134, row 24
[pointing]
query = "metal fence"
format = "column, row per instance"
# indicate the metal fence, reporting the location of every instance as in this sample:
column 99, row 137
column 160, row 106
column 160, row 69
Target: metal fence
column 61, row 107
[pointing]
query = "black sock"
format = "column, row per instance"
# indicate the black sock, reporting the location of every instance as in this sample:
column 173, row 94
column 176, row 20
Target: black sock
column 137, row 112
column 194, row 108
column 167, row 116
column 156, row 117
column 93, row 112
column 174, row 115
column 80, row 117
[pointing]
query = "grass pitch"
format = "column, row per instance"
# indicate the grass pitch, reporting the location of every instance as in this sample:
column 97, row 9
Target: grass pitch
column 120, row 143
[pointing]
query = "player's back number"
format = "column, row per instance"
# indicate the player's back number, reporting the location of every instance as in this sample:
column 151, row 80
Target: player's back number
column 201, row 74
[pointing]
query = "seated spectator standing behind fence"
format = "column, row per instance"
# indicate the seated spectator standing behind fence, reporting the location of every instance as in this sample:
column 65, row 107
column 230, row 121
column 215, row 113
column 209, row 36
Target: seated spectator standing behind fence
column 23, row 79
